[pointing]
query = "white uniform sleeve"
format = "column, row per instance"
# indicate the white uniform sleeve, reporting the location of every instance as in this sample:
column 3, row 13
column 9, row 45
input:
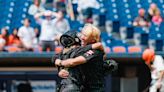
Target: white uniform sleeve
column 159, row 62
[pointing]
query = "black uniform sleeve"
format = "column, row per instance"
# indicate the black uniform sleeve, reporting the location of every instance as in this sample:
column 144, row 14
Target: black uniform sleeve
column 87, row 47
column 90, row 54
column 80, row 51
column 56, row 56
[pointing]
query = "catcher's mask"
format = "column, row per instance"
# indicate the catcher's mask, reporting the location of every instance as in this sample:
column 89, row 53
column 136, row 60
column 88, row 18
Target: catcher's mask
column 70, row 38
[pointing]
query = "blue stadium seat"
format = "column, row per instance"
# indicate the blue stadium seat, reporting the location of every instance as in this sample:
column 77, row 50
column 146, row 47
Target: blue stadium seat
column 102, row 19
column 161, row 27
column 144, row 39
column 112, row 12
column 106, row 38
column 75, row 25
column 139, row 30
column 116, row 26
column 117, row 42
column 156, row 44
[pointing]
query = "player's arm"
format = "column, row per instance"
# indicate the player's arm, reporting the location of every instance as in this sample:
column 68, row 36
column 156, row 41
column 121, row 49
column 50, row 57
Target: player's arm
column 71, row 62
column 159, row 81
column 86, row 54
column 86, row 48
column 77, row 60
column 97, row 45
column 38, row 15
column 62, row 72
column 161, row 76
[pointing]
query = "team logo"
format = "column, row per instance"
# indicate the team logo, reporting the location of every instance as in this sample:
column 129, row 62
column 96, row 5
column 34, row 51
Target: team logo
column 88, row 53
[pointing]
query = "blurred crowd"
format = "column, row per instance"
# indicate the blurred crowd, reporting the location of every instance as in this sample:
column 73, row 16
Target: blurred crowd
column 51, row 20
column 153, row 15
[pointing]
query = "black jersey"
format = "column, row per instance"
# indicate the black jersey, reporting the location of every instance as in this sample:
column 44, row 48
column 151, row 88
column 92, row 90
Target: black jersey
column 93, row 71
column 75, row 74
column 90, row 74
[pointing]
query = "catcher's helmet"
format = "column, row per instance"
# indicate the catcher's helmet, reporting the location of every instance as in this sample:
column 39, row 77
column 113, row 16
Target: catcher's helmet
column 70, row 38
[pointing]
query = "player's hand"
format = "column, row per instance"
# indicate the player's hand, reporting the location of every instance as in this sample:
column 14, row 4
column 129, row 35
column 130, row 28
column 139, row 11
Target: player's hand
column 47, row 13
column 58, row 62
column 63, row 73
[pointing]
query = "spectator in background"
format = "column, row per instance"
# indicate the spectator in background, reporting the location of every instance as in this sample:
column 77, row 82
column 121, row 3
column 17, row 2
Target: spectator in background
column 47, row 34
column 3, row 38
column 85, row 9
column 59, row 4
column 14, row 39
column 36, row 8
column 14, row 43
column 61, row 24
column 2, row 44
column 152, row 11
column 141, row 20
column 36, row 39
column 51, row 29
column 4, row 34
column 156, row 65
column 26, row 35
column 47, row 3
column 157, row 19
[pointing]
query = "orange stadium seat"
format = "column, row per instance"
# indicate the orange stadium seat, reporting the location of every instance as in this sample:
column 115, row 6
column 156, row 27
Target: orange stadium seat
column 134, row 49
column 58, row 49
column 40, row 48
column 119, row 49
column 107, row 49
column 13, row 49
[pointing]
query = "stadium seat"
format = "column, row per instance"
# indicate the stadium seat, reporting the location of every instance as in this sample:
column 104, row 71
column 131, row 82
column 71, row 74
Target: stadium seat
column 13, row 49
column 144, row 39
column 161, row 27
column 117, row 42
column 119, row 49
column 116, row 26
column 134, row 49
column 157, row 45
column 75, row 25
column 58, row 49
column 105, row 36
column 107, row 50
